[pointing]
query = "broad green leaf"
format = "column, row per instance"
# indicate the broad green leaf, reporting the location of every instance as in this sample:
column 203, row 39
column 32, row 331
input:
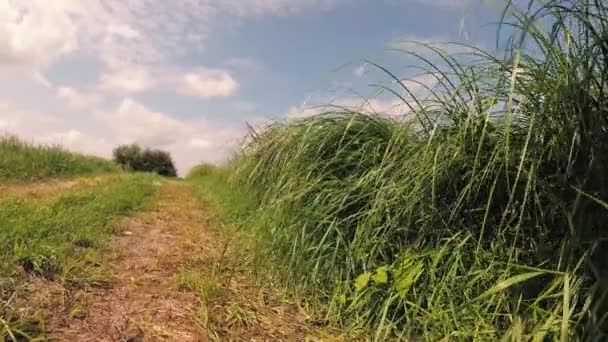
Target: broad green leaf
column 362, row 281
column 502, row 285
column 381, row 275
column 407, row 275
column 342, row 299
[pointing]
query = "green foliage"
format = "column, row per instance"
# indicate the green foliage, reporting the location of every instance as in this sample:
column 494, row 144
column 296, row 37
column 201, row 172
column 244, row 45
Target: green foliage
column 23, row 161
column 40, row 235
column 473, row 207
column 134, row 158
column 59, row 238
column 202, row 170
column 212, row 185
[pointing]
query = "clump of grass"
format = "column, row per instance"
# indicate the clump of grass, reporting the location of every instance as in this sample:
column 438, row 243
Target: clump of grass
column 472, row 218
column 23, row 161
column 207, row 287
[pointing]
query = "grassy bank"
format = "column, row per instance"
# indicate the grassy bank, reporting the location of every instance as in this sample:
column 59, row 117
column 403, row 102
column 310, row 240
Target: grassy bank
column 24, row 161
column 59, row 238
column 478, row 216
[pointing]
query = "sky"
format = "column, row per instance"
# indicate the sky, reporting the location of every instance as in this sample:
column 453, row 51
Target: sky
column 187, row 76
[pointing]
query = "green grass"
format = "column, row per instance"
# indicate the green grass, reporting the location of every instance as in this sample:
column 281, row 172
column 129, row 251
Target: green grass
column 479, row 216
column 210, row 183
column 23, row 161
column 60, row 238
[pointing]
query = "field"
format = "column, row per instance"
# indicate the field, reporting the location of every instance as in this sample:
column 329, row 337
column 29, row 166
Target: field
column 478, row 216
column 90, row 252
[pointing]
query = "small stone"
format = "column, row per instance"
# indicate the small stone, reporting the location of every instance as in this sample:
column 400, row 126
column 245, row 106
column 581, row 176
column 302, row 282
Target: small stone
column 127, row 233
column 80, row 315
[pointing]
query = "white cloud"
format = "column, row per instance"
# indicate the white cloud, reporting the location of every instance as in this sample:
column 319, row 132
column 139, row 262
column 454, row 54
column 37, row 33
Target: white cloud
column 200, row 143
column 34, row 33
column 205, row 83
column 124, row 31
column 130, row 79
column 78, row 100
column 132, row 121
column 390, row 107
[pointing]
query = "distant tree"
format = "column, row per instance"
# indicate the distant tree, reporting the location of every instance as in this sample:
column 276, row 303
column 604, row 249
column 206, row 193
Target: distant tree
column 129, row 156
column 134, row 158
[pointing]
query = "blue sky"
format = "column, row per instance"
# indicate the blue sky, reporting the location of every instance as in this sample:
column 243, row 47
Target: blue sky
column 185, row 75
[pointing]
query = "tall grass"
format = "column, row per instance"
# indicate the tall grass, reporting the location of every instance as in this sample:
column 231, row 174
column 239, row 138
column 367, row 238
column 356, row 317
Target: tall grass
column 478, row 216
column 210, row 183
column 23, row 161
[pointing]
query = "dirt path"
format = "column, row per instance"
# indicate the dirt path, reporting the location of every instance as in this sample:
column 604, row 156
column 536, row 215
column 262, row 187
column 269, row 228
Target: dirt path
column 172, row 282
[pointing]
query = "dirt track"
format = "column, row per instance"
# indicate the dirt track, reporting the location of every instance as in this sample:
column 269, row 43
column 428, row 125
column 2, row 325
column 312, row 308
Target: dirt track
column 146, row 302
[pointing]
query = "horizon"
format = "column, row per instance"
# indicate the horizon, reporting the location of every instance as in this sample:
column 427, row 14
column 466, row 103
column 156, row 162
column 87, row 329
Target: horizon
column 186, row 77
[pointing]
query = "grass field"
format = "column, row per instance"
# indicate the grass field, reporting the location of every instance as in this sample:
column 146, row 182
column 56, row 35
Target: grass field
column 20, row 160
column 59, row 238
column 479, row 216
column 57, row 235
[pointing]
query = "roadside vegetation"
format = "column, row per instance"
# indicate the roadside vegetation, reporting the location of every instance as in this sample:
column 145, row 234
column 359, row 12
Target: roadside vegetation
column 60, row 239
column 24, row 161
column 56, row 236
column 478, row 216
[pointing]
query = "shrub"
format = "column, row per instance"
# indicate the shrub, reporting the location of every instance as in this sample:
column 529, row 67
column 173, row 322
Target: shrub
column 134, row 158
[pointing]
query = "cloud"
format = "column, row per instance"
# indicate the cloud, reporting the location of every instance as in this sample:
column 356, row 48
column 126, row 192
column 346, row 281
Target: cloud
column 124, row 31
column 383, row 105
column 390, row 107
column 34, row 33
column 200, row 143
column 134, row 122
column 132, row 79
column 78, row 100
column 206, row 83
